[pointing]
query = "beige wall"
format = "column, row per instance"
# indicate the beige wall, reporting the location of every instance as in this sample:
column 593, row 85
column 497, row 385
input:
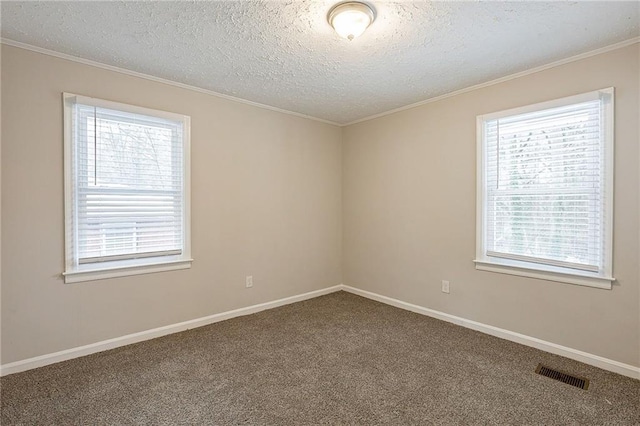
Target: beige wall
column 0, row 215
column 270, row 196
column 266, row 201
column 409, row 213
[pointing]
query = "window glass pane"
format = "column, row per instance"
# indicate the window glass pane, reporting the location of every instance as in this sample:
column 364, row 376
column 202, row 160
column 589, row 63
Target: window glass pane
column 545, row 186
column 129, row 185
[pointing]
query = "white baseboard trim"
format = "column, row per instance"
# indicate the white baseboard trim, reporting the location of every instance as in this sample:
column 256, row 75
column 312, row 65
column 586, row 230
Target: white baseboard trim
column 42, row 360
column 585, row 357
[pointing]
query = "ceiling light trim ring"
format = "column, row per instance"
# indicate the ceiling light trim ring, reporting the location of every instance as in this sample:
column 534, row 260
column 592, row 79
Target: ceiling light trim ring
column 351, row 8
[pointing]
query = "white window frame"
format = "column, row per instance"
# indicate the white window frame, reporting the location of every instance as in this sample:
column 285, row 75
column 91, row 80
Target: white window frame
column 75, row 272
column 601, row 279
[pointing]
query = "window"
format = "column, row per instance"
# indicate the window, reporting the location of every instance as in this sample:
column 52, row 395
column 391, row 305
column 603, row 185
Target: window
column 126, row 189
column 545, row 190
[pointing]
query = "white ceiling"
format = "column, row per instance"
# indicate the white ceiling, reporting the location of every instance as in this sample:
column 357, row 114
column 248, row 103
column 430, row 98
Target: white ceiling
column 284, row 54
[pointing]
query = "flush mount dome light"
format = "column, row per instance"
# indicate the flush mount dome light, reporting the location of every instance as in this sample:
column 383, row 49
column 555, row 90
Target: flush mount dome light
column 351, row 19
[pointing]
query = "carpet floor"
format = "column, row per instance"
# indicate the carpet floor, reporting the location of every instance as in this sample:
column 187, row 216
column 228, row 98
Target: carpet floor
column 336, row 359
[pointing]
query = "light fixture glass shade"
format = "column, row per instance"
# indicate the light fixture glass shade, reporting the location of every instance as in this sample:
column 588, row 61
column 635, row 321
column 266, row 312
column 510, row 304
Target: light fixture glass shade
column 351, row 19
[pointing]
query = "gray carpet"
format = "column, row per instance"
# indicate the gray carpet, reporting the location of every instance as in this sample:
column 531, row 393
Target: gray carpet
column 336, row 359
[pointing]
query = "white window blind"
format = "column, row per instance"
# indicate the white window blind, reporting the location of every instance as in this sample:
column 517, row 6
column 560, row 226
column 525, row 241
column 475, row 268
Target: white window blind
column 547, row 186
column 127, row 184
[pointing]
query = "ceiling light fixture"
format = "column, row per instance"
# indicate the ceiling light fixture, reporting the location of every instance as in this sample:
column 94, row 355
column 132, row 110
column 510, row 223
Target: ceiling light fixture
column 350, row 19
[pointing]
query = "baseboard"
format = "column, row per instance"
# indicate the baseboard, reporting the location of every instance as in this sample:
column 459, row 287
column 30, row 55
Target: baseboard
column 41, row 361
column 585, row 357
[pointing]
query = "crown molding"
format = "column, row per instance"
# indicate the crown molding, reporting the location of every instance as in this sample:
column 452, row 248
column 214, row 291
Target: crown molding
column 125, row 71
column 89, row 62
column 554, row 64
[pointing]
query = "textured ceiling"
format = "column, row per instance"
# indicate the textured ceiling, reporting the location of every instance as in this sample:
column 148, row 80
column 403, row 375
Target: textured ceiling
column 284, row 54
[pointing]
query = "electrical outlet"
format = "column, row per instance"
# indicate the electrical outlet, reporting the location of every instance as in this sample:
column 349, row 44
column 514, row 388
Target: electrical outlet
column 445, row 286
column 249, row 281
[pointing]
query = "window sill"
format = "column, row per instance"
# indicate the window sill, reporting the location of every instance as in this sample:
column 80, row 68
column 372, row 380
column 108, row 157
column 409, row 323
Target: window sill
column 124, row 268
column 549, row 273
